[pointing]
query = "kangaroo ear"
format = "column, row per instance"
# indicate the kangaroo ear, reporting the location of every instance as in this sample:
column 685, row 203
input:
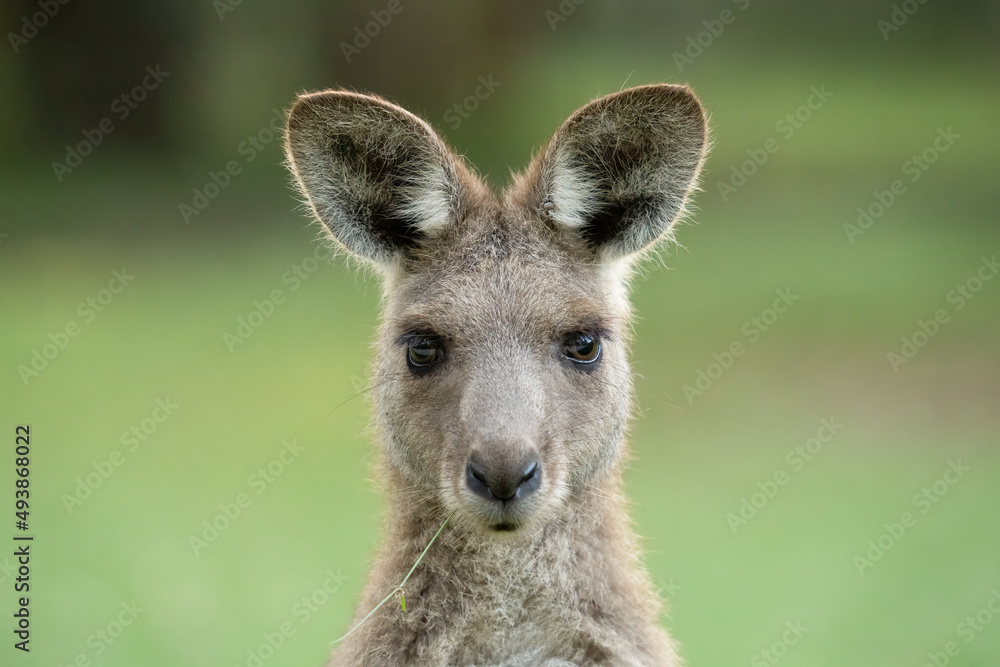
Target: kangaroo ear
column 375, row 175
column 619, row 171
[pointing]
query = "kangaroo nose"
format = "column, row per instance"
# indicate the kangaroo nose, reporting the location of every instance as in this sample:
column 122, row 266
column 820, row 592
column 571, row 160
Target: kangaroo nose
column 507, row 481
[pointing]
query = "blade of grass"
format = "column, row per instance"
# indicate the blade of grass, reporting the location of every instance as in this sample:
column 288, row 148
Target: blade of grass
column 402, row 583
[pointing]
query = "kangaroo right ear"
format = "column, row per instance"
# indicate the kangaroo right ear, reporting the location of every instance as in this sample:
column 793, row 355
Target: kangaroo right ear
column 378, row 178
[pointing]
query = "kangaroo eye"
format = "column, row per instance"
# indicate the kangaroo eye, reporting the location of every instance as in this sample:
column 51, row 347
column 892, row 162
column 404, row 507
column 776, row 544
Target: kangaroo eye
column 423, row 352
column 582, row 348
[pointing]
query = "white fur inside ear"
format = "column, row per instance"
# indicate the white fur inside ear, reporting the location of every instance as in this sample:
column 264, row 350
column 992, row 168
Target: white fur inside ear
column 574, row 197
column 430, row 203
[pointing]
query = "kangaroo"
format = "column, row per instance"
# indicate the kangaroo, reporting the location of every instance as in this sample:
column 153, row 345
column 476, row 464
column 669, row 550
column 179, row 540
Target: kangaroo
column 501, row 385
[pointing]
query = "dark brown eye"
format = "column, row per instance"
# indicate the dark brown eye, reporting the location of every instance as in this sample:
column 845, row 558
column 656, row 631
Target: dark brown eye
column 423, row 352
column 582, row 348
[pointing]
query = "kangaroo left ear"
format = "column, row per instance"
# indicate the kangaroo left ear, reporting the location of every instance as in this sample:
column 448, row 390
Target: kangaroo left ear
column 619, row 172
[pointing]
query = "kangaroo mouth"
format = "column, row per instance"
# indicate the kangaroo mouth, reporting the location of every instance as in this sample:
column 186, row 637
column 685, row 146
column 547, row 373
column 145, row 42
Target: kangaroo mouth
column 507, row 518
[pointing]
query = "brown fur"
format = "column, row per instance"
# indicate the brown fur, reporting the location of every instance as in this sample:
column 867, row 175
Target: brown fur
column 502, row 282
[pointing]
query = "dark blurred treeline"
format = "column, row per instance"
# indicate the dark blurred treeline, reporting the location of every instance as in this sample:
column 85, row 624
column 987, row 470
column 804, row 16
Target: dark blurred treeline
column 230, row 61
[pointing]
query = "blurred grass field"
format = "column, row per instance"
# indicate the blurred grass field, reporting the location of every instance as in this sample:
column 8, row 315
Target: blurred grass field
column 731, row 595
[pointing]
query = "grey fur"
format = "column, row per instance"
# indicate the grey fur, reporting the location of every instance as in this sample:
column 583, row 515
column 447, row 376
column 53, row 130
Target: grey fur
column 502, row 281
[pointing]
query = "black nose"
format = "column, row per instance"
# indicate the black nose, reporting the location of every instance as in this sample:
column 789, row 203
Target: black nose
column 505, row 482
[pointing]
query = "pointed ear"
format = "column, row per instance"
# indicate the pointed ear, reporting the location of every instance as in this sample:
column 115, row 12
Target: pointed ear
column 377, row 177
column 619, row 172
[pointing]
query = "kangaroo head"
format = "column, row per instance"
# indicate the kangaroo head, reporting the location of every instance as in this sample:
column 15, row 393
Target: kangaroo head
column 502, row 386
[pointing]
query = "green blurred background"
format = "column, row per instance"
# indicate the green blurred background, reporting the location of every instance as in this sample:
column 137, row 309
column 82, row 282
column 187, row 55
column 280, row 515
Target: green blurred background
column 732, row 588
